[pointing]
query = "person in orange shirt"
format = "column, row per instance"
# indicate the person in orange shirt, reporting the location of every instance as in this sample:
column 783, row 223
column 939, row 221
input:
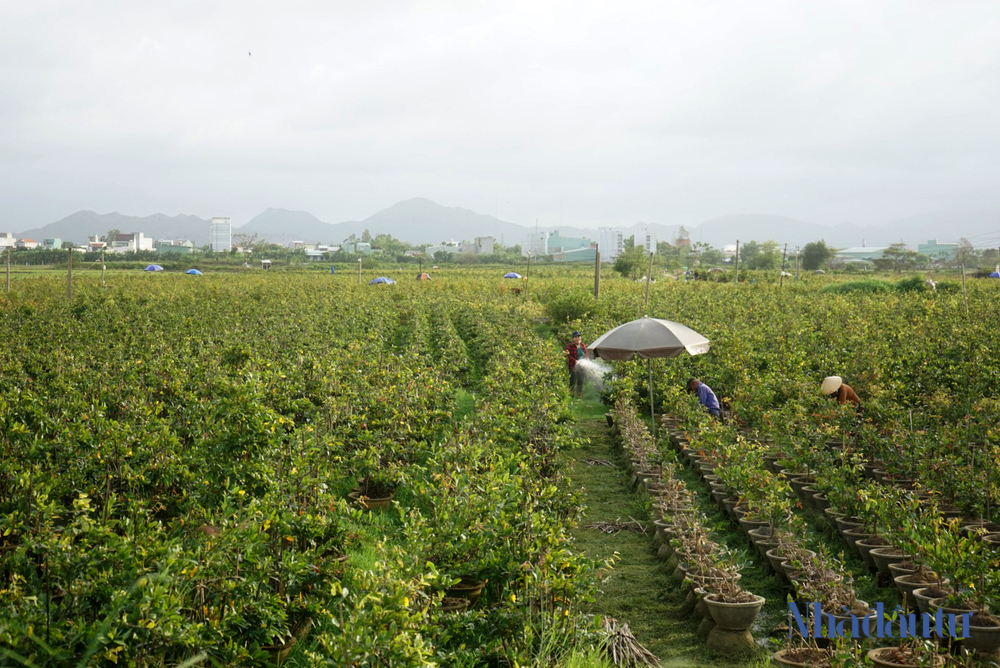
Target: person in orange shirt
column 835, row 388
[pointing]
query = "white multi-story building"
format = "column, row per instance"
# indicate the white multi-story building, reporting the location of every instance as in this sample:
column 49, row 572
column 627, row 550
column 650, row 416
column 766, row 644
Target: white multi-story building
column 538, row 244
column 136, row 241
column 7, row 240
column 222, row 234
column 648, row 241
column 484, row 245
column 610, row 243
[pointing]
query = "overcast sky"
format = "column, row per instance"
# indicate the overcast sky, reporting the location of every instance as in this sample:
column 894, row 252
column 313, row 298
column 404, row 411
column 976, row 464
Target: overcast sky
column 588, row 112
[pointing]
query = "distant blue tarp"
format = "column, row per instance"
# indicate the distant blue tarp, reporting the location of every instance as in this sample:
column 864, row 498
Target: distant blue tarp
column 380, row 280
column 193, row 272
column 153, row 267
column 995, row 274
column 512, row 275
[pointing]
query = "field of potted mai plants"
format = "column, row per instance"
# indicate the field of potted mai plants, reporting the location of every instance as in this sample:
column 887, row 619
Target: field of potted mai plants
column 898, row 498
column 254, row 470
column 291, row 469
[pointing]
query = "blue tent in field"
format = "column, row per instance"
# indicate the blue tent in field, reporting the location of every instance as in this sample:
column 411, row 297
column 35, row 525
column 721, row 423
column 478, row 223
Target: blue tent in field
column 193, row 272
column 381, row 280
column 153, row 267
column 512, row 275
column 995, row 274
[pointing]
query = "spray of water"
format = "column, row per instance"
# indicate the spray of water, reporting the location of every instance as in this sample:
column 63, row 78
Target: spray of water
column 594, row 372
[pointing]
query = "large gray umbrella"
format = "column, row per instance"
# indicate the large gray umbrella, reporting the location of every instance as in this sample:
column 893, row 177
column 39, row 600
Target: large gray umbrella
column 647, row 338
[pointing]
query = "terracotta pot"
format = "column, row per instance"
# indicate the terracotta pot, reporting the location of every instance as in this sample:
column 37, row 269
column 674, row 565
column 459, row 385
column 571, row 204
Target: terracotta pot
column 980, row 527
column 809, row 493
column 984, row 634
column 864, row 613
column 908, row 584
column 925, row 595
column 771, row 462
column 449, row 605
column 368, row 503
column 992, row 540
column 734, row 616
column 279, row 653
column 893, row 657
column 883, row 556
column 902, row 568
column 469, row 588
column 799, row 483
column 776, row 559
column 866, row 546
column 822, row 503
column 802, row 657
column 749, row 525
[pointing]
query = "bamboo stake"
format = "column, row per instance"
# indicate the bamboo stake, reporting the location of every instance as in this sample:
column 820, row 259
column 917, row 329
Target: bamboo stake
column 737, row 280
column 103, row 284
column 649, row 278
column 69, row 277
column 965, row 297
column 781, row 279
column 359, row 271
column 8, row 270
column 597, row 275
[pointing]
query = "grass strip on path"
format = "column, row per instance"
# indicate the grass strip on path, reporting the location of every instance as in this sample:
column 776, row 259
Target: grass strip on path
column 638, row 591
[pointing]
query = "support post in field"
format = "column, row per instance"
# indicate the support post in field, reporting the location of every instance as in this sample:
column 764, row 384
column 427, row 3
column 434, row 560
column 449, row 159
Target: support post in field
column 103, row 284
column 737, row 279
column 649, row 277
column 597, row 275
column 965, row 297
column 8, row 270
column 781, row 279
column 69, row 276
column 527, row 272
column 359, row 271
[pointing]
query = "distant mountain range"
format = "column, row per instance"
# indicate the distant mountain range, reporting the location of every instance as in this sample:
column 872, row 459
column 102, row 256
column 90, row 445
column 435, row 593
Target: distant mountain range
column 421, row 221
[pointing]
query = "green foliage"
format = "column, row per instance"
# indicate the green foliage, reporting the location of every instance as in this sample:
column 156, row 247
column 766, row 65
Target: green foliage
column 632, row 263
column 912, row 284
column 816, row 254
column 869, row 286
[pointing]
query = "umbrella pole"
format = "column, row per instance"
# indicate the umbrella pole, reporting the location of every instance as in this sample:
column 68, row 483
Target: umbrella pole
column 652, row 404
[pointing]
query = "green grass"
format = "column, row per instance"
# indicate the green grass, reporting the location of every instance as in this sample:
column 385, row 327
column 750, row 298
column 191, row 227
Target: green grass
column 465, row 402
column 639, row 590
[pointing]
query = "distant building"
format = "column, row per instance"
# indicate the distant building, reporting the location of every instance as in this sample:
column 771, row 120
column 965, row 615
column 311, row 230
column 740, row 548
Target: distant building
column 52, row 244
column 577, row 255
column 646, row 240
column 560, row 244
column 611, row 243
column 538, row 244
column 136, row 241
column 936, row 251
column 28, row 244
column 484, row 245
column 314, row 255
column 451, row 247
column 357, row 247
column 861, row 253
column 94, row 243
column 729, row 250
column 7, row 240
column 174, row 247
column 222, row 234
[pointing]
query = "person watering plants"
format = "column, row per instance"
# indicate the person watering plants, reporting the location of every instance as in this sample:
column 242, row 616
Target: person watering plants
column 835, row 388
column 706, row 397
column 576, row 350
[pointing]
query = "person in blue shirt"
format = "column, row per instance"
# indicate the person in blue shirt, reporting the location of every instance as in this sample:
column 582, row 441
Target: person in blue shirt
column 706, row 396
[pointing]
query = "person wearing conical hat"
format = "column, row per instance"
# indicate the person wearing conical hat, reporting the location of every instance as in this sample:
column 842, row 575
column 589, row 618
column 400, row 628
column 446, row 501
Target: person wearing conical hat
column 835, row 387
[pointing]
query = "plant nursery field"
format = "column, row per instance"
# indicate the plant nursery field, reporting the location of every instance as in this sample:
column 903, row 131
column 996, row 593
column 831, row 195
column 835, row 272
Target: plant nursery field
column 292, row 469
